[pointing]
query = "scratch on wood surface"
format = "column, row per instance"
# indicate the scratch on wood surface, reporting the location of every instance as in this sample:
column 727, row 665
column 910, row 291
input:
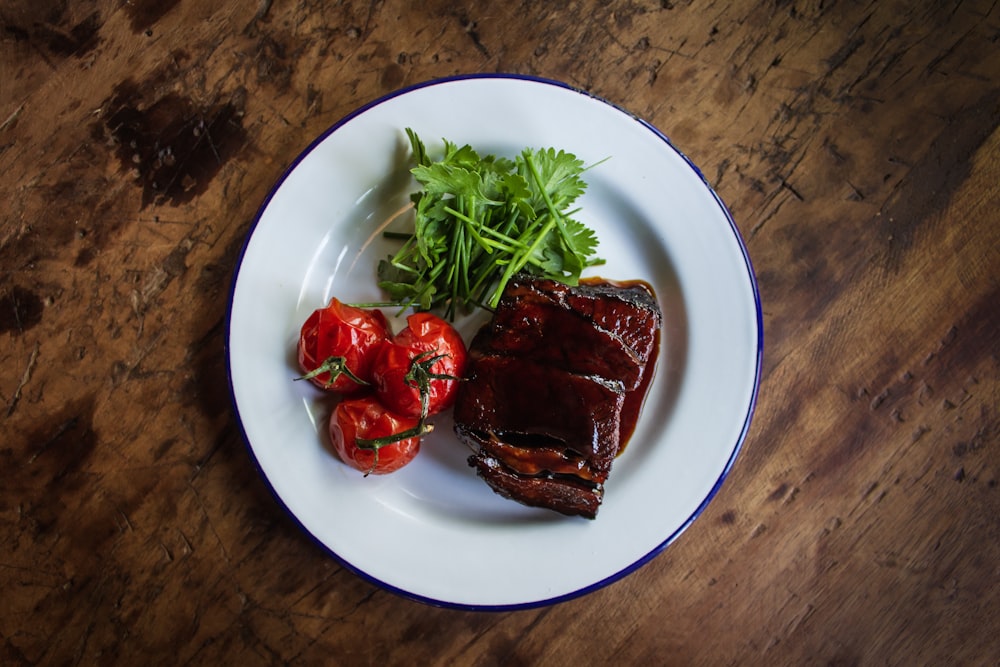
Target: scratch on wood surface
column 12, row 117
column 358, row 605
column 200, row 465
column 799, row 618
column 856, row 194
column 262, row 9
column 878, row 400
column 82, row 643
column 187, row 543
column 770, row 215
column 62, row 429
column 127, row 523
column 208, row 520
column 25, row 378
column 795, row 193
column 932, row 66
column 845, row 51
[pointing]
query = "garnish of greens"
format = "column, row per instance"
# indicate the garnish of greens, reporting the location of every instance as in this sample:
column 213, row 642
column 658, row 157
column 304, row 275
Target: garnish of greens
column 479, row 220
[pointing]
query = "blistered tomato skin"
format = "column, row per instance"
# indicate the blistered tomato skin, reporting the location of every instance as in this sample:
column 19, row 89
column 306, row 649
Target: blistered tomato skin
column 366, row 418
column 342, row 331
column 431, row 336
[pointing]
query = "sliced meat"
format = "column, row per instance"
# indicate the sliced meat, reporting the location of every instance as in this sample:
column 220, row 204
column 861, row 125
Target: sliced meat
column 547, row 381
column 628, row 309
column 564, row 495
column 539, row 404
column 540, row 325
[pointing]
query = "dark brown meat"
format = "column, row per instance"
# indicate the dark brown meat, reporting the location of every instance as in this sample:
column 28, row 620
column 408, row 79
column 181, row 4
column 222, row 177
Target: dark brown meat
column 511, row 396
column 548, row 378
column 564, row 495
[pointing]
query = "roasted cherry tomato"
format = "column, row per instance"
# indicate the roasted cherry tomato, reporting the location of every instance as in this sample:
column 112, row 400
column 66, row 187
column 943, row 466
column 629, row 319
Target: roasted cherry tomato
column 428, row 355
column 360, row 429
column 338, row 344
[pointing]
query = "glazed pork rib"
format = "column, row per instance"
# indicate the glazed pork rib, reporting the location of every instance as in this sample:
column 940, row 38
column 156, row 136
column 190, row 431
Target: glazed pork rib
column 548, row 378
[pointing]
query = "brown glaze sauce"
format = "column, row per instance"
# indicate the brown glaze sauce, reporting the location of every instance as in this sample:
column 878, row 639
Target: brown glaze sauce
column 634, row 399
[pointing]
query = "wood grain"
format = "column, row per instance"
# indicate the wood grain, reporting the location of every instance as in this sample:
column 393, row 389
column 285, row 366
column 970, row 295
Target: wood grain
column 857, row 146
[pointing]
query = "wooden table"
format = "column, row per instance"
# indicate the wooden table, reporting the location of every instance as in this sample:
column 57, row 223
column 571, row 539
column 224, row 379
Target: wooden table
column 857, row 146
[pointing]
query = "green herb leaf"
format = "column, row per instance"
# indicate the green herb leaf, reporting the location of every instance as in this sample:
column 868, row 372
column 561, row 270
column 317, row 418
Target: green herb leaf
column 478, row 220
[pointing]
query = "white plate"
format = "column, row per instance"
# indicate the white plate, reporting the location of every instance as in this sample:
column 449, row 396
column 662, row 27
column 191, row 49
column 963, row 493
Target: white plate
column 433, row 531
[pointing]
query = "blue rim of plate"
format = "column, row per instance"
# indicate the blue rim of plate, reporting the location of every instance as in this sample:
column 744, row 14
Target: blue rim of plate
column 585, row 590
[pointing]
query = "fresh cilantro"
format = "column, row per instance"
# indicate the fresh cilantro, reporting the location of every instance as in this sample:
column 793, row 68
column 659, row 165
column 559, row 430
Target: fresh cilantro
column 479, row 220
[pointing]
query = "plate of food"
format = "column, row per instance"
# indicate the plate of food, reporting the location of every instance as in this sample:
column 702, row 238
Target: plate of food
column 610, row 349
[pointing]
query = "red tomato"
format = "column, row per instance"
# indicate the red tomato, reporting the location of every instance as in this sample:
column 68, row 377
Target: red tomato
column 340, row 336
column 366, row 418
column 437, row 348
